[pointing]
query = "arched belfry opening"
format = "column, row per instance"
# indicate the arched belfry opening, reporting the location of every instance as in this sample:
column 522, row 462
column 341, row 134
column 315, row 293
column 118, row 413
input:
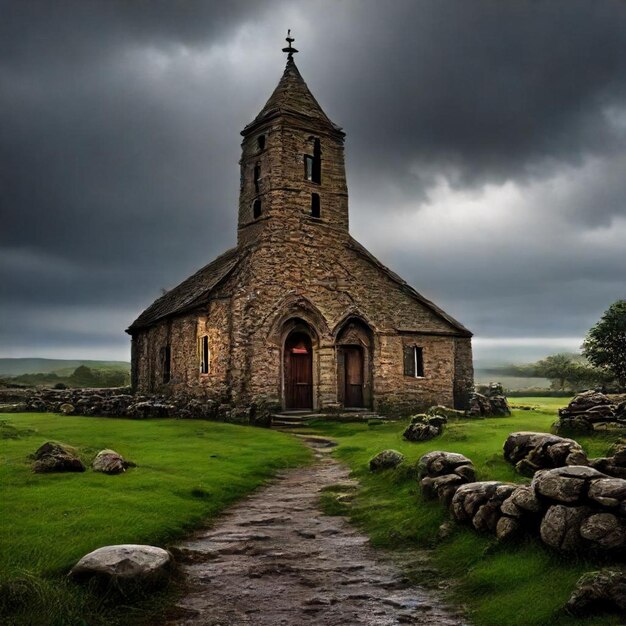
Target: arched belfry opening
column 354, row 344
column 298, row 365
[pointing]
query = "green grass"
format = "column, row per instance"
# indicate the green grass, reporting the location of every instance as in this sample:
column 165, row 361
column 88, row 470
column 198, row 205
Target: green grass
column 188, row 472
column 521, row 585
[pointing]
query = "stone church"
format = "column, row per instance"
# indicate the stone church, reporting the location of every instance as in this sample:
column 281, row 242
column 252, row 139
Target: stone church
column 299, row 315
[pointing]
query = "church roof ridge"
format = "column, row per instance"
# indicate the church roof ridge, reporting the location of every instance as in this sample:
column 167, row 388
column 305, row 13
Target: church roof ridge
column 190, row 292
column 291, row 96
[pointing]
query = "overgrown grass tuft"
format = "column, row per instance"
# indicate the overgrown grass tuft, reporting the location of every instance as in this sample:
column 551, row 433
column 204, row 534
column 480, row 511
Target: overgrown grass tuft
column 502, row 585
column 187, row 472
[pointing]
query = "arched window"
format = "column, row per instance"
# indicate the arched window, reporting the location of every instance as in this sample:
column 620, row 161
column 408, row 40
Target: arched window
column 256, row 208
column 315, row 205
column 261, row 142
column 257, row 177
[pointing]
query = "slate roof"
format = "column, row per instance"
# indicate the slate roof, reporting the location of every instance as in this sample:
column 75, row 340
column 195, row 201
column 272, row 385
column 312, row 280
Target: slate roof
column 363, row 252
column 191, row 292
column 291, row 95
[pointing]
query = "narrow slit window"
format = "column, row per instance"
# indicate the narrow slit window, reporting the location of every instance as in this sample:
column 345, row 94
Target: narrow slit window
column 256, row 208
column 308, row 167
column 261, row 142
column 166, row 364
column 257, row 177
column 203, row 350
column 317, row 162
column 315, row 205
column 313, row 163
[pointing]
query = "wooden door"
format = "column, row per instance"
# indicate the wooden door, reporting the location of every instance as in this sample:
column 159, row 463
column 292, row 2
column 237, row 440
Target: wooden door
column 298, row 372
column 353, row 395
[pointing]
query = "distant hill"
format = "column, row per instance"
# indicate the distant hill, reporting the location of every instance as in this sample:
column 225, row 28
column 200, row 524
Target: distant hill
column 63, row 367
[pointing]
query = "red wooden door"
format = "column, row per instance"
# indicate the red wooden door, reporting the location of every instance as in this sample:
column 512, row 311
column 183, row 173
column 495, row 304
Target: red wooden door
column 298, row 372
column 353, row 395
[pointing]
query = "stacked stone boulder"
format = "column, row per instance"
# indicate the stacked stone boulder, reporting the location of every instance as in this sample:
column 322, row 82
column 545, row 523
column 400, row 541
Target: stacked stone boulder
column 589, row 412
column 584, row 509
column 120, row 402
column 424, row 427
column 480, row 503
column 531, row 451
column 490, row 403
column 442, row 473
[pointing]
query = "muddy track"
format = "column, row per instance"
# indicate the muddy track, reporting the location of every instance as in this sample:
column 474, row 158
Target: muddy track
column 275, row 559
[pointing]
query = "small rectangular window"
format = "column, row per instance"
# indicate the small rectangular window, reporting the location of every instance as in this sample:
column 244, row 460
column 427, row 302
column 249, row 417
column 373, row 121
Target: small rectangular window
column 166, row 364
column 308, row 167
column 418, row 355
column 414, row 361
column 203, row 353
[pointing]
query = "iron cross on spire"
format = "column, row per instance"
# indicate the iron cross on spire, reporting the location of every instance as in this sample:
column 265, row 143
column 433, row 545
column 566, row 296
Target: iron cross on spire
column 289, row 50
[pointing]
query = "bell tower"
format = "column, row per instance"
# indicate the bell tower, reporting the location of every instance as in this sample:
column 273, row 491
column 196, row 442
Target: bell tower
column 293, row 178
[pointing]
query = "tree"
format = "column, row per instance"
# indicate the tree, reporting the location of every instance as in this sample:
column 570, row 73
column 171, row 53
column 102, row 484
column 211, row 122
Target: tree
column 556, row 368
column 605, row 343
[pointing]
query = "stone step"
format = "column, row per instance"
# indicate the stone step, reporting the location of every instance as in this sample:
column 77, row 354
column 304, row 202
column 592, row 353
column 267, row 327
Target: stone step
column 292, row 419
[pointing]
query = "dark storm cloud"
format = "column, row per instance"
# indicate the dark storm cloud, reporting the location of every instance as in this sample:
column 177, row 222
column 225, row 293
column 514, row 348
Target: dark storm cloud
column 119, row 145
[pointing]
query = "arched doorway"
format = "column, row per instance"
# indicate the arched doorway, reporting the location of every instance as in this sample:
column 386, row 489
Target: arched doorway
column 354, row 364
column 298, row 371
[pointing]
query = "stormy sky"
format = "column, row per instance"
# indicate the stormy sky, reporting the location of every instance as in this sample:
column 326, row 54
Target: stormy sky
column 486, row 155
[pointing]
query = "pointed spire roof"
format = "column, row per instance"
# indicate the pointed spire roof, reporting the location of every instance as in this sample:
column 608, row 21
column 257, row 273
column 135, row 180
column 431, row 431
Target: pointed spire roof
column 291, row 96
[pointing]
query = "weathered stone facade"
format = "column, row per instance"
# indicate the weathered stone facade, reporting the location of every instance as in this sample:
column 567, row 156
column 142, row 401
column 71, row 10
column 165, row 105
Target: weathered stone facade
column 299, row 314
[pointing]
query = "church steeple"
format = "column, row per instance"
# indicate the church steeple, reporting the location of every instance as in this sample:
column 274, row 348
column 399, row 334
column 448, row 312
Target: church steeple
column 292, row 168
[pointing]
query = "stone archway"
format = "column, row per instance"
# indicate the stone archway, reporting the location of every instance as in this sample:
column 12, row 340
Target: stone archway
column 299, row 365
column 354, row 344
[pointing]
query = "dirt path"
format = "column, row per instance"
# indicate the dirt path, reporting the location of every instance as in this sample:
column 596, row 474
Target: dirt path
column 275, row 559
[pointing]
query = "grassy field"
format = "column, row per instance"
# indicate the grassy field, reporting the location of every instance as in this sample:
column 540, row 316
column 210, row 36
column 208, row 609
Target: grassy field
column 188, row 471
column 523, row 585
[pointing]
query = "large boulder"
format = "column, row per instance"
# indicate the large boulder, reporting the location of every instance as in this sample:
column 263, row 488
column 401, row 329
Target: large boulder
column 110, row 462
column 532, row 451
column 521, row 511
column 585, row 401
column 604, row 589
column 604, row 531
column 53, row 456
column 480, row 502
column 126, row 566
column 439, row 463
column 560, row 527
column 387, row 459
column 610, row 493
